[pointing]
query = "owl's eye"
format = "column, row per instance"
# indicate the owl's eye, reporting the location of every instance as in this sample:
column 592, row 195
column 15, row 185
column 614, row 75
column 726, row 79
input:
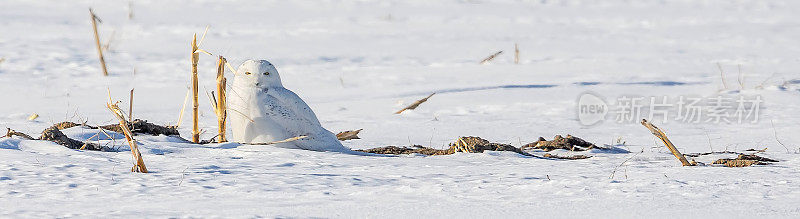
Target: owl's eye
column 247, row 73
column 266, row 73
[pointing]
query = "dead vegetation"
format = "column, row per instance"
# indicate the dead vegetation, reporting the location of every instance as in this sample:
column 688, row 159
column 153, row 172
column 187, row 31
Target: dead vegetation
column 467, row 144
column 95, row 19
column 415, row 104
column 219, row 102
column 569, row 143
column 123, row 124
column 570, row 157
column 744, row 160
column 54, row 134
column 11, row 133
column 491, row 57
column 195, row 88
column 661, row 135
column 348, row 135
column 416, row 149
column 479, row 145
column 139, row 126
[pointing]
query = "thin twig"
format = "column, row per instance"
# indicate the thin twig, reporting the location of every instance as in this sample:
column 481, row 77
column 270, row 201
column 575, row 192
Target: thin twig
column 623, row 162
column 775, row 132
column 183, row 108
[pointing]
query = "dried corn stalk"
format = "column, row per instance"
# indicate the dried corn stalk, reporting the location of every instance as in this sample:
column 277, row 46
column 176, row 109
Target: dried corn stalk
column 95, row 19
column 195, row 89
column 660, row 134
column 123, row 124
column 487, row 59
column 415, row 104
column 220, row 103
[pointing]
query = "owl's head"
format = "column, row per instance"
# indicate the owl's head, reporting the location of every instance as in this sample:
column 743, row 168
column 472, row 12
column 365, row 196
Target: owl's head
column 259, row 73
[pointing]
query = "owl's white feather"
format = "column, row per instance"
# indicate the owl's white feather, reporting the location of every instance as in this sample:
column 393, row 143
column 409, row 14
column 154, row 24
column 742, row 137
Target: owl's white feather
column 262, row 110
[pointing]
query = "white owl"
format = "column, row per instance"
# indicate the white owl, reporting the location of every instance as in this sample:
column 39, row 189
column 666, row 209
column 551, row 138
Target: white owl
column 262, row 110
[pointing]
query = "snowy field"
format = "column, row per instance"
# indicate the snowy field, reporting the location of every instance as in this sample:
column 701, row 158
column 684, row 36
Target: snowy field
column 356, row 62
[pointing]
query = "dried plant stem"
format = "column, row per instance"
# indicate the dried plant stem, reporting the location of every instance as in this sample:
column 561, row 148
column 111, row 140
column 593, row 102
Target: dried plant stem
column 415, row 104
column 130, row 107
column 740, row 78
column 487, row 59
column 722, row 76
column 130, row 10
column 221, row 103
column 775, row 132
column 123, row 124
column 11, row 133
column 183, row 108
column 94, row 19
column 660, row 134
column 623, row 163
column 195, row 88
column 516, row 53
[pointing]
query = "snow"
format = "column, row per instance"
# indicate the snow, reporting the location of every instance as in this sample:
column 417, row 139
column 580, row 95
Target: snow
column 357, row 62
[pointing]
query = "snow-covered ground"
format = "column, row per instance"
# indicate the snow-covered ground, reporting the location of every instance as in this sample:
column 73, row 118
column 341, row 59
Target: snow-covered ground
column 356, row 62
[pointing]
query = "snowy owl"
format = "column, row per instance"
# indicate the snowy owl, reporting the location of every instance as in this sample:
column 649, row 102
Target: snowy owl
column 262, row 111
